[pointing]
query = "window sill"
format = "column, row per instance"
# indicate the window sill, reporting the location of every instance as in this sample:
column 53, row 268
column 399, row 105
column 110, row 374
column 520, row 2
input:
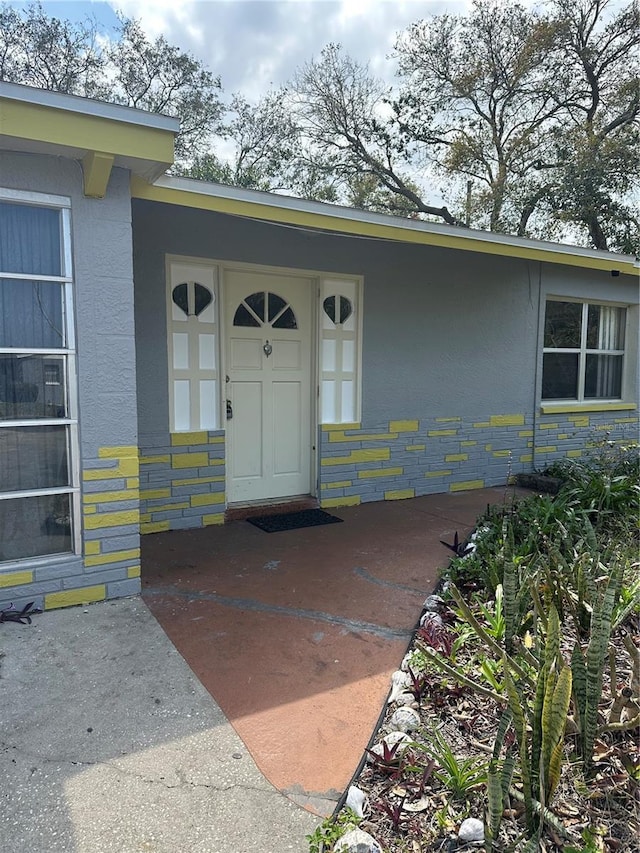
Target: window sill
column 591, row 406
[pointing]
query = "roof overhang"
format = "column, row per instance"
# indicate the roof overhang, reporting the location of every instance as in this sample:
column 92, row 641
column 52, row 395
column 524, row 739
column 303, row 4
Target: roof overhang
column 97, row 134
column 296, row 212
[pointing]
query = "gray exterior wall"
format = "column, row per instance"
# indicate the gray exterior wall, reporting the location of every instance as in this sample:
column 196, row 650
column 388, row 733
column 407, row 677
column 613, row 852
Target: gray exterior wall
column 451, row 356
column 103, row 297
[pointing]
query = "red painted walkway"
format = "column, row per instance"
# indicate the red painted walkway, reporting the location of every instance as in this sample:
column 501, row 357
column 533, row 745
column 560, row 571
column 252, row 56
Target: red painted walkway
column 295, row 634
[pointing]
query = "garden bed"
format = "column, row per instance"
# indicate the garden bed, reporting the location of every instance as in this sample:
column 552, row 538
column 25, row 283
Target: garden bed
column 520, row 694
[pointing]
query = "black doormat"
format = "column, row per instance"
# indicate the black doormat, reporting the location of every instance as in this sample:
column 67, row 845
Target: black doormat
column 293, row 520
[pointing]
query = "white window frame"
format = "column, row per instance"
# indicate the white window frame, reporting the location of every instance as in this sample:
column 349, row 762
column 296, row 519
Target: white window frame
column 68, row 353
column 330, row 286
column 583, row 351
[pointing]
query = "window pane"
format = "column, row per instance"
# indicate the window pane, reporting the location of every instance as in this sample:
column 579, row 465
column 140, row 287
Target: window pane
column 256, row 303
column 562, row 323
column 243, row 317
column 276, row 304
column 605, row 327
column 560, row 376
column 33, row 527
column 31, row 314
column 33, row 458
column 32, row 386
column 603, row 377
column 286, row 320
column 29, row 239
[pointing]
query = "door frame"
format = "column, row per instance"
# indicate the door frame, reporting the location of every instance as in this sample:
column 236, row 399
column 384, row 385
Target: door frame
column 292, row 272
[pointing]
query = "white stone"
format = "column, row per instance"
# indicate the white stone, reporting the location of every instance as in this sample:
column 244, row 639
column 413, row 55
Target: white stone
column 356, row 800
column 405, row 719
column 392, row 738
column 433, row 603
column 471, row 831
column 357, row 841
column 407, row 699
column 399, row 680
column 431, row 617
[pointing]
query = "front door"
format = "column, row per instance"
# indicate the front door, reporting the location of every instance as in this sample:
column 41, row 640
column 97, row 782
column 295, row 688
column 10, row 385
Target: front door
column 268, row 362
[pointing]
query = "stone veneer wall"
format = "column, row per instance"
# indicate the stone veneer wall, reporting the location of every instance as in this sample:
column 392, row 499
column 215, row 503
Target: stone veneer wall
column 182, row 481
column 409, row 458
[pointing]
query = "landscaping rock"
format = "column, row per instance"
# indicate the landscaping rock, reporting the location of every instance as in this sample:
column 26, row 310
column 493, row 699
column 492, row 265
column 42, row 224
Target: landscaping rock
column 471, row 831
column 357, row 841
column 356, row 800
column 405, row 719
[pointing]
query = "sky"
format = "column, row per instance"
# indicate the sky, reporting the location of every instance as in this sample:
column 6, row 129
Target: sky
column 255, row 44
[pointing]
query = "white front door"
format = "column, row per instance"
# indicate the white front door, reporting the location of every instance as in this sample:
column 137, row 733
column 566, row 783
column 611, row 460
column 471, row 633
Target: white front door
column 268, row 363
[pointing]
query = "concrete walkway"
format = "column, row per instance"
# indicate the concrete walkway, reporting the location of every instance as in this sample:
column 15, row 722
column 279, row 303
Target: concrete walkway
column 110, row 744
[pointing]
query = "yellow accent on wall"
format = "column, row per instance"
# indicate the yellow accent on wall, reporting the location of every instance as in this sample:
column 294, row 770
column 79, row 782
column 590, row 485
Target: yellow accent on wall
column 481, row 425
column 127, row 467
column 626, row 420
column 436, row 432
column 133, row 572
column 526, row 457
column 89, row 510
column 548, row 426
column 168, row 507
column 216, row 462
column 71, row 597
column 186, row 439
column 15, row 579
column 562, row 436
column 399, row 494
column 189, row 460
column 113, row 557
column 580, row 420
column 501, row 453
column 91, row 547
column 154, row 527
column 109, row 497
column 153, row 494
column 464, row 487
column 416, row 447
column 133, row 483
column 488, row 447
column 572, row 454
column 525, row 433
column 456, row 457
column 213, row 518
column 403, row 426
column 448, row 420
column 112, row 519
column 592, row 406
column 154, row 460
column 117, row 452
column 506, row 420
column 468, row 443
column 144, row 517
column 341, row 484
column 194, row 481
column 347, row 500
column 369, row 455
column 331, row 427
column 444, row 473
column 216, row 439
column 207, row 499
column 380, row 472
column 550, row 449
column 338, row 435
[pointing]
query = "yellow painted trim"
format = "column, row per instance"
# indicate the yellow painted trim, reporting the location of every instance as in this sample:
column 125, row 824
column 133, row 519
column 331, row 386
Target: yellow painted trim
column 380, row 472
column 332, row 427
column 15, row 579
column 133, row 483
column 96, row 171
column 113, row 557
column 190, row 460
column 112, row 519
column 348, row 500
column 456, row 457
column 71, row 597
column 217, row 439
column 448, row 420
column 548, row 426
column 339, row 435
column 89, row 510
column 272, row 213
column 446, row 472
column 576, row 408
column 92, row 547
column 465, row 487
column 633, row 420
column 154, row 527
column 206, row 499
column 399, row 494
column 527, row 457
column 117, row 452
column 216, row 462
column 468, row 443
column 506, row 420
column 501, row 453
column 182, row 439
column 56, row 126
column 403, row 426
column 573, row 454
column 370, row 455
column 213, row 518
column 341, row 484
column 133, row 572
column 432, row 433
column 416, row 447
column 153, row 460
column 525, row 433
